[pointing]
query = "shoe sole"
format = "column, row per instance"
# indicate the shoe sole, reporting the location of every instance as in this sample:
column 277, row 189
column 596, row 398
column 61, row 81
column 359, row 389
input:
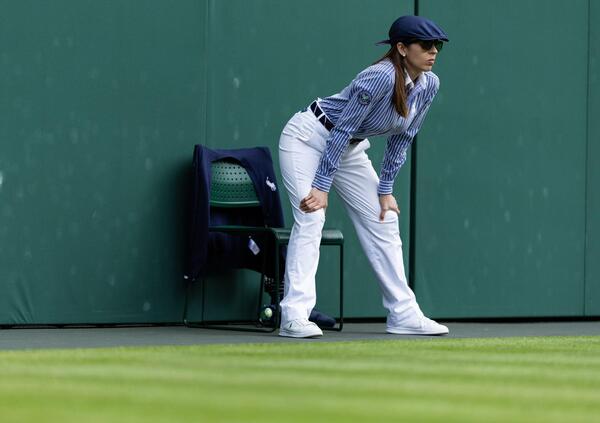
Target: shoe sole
column 297, row 335
column 415, row 332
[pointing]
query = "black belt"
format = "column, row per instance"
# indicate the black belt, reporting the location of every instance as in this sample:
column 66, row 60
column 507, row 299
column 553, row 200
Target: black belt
column 320, row 115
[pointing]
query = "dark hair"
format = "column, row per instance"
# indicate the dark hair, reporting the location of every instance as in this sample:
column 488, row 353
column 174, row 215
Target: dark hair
column 399, row 97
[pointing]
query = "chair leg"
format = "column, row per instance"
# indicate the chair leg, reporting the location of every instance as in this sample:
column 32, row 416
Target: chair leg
column 260, row 293
column 277, row 317
column 185, row 306
column 262, row 284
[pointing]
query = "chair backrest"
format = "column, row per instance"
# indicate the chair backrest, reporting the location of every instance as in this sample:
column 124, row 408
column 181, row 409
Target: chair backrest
column 231, row 186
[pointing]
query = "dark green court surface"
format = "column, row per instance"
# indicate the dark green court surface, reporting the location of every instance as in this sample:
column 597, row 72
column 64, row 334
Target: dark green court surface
column 179, row 335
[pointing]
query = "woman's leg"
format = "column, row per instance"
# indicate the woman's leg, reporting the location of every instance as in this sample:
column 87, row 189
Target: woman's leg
column 356, row 183
column 300, row 147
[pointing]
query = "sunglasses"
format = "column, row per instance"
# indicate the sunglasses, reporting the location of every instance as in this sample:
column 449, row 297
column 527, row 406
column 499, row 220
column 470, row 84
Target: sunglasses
column 429, row 44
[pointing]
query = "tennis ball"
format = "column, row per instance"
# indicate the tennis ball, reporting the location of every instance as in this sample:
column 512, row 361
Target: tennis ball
column 268, row 312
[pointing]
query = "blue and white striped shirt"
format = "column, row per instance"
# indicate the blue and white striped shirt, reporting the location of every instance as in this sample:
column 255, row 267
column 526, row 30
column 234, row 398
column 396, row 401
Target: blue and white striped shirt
column 365, row 109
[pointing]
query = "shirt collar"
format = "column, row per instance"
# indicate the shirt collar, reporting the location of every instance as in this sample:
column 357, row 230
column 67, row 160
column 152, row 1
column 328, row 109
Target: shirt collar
column 408, row 82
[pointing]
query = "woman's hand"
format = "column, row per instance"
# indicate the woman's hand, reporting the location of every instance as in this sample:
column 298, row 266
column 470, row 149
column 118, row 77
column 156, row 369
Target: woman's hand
column 387, row 202
column 314, row 201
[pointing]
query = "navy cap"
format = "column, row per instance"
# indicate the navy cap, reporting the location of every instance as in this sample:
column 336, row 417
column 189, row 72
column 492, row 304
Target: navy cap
column 407, row 28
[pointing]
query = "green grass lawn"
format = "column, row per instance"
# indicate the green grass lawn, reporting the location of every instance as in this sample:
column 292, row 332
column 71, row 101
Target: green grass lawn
column 550, row 379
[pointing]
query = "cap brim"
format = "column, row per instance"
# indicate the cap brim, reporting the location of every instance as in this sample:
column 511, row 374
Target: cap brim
column 438, row 38
column 390, row 41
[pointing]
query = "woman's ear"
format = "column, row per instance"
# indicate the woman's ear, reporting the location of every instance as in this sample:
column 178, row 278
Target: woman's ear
column 401, row 49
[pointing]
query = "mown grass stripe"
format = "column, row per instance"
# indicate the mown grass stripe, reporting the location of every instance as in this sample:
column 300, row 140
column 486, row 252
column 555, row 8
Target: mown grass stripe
column 508, row 379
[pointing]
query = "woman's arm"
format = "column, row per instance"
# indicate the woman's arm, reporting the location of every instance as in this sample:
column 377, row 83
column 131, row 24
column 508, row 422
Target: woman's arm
column 367, row 87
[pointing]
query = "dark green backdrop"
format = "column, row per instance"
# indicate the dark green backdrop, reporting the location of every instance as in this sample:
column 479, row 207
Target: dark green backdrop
column 102, row 101
column 501, row 207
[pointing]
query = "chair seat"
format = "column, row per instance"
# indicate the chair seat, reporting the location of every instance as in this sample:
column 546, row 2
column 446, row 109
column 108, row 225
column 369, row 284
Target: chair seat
column 328, row 237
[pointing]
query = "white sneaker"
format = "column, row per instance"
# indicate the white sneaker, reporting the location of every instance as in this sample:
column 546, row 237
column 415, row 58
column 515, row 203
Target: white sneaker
column 300, row 328
column 420, row 325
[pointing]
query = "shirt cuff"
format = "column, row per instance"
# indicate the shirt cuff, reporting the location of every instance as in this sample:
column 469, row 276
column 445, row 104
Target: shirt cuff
column 385, row 187
column 322, row 183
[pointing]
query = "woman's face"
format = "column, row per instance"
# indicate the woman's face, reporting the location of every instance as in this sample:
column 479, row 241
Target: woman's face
column 419, row 58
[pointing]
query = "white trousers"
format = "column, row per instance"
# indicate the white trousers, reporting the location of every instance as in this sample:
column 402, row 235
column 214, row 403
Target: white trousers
column 301, row 145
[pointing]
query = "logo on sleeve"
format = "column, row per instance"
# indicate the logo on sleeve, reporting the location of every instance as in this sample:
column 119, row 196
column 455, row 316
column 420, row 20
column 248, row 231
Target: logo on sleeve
column 364, row 97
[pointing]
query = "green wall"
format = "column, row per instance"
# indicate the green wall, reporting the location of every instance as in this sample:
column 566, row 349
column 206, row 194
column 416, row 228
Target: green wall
column 501, row 206
column 592, row 268
column 98, row 113
column 103, row 101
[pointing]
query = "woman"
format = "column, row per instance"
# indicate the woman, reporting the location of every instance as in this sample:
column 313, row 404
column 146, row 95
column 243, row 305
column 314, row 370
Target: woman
column 325, row 145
